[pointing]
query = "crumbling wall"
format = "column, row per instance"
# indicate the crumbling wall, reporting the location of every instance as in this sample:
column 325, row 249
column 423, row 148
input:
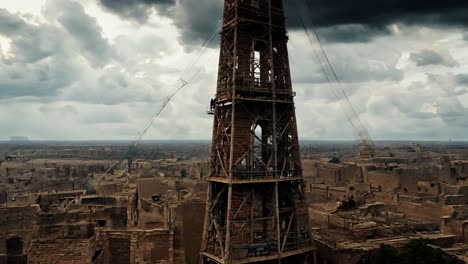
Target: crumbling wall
column 14, row 246
column 384, row 181
column 192, row 215
column 459, row 199
column 456, row 227
column 16, row 228
column 430, row 212
column 130, row 247
column 409, row 180
column 119, row 248
column 337, row 194
column 309, row 168
column 156, row 247
column 331, row 174
column 429, row 187
column 110, row 188
column 17, row 218
column 151, row 216
column 66, row 251
column 328, row 176
column 149, row 187
column 328, row 253
column 317, row 193
column 171, row 168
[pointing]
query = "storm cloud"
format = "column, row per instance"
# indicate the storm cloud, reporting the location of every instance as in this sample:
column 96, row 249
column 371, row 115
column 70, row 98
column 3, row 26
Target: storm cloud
column 137, row 10
column 67, row 57
column 336, row 20
column 40, row 67
column 384, row 12
column 462, row 79
column 101, row 68
column 431, row 57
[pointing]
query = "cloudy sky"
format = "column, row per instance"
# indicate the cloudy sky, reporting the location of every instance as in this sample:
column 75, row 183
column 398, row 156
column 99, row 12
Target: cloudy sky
column 98, row 69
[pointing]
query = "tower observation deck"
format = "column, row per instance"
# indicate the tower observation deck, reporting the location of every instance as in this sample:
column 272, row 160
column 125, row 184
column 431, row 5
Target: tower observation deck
column 255, row 208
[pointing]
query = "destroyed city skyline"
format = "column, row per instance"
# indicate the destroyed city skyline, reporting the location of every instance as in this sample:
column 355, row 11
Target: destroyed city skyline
column 101, row 68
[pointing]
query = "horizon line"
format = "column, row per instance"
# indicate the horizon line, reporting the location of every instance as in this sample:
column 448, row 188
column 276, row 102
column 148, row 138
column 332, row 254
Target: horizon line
column 148, row 140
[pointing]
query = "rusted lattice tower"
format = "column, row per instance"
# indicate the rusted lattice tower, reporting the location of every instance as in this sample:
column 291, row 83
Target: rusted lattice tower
column 255, row 209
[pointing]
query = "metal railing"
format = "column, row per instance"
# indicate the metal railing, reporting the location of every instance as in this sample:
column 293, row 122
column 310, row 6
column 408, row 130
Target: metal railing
column 251, row 172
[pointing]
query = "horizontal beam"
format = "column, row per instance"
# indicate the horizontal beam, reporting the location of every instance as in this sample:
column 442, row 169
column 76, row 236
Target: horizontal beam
column 253, row 181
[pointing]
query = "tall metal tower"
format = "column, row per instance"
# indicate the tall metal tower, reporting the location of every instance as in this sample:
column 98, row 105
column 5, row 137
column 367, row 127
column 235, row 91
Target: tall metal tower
column 255, row 209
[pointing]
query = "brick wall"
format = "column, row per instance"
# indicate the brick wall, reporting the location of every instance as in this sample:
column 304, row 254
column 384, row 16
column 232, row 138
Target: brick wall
column 192, row 215
column 156, row 248
column 430, row 212
column 455, row 200
column 317, row 193
column 126, row 247
column 66, row 251
column 385, row 181
column 17, row 218
column 119, row 248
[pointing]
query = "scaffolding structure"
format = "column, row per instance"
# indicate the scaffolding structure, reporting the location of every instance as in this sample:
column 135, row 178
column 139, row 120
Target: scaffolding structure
column 255, row 208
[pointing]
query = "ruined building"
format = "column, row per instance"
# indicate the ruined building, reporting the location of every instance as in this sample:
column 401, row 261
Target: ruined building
column 67, row 211
column 255, row 209
column 390, row 199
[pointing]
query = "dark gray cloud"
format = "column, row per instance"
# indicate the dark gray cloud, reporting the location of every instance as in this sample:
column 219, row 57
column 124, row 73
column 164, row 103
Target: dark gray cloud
column 453, row 113
column 461, row 79
column 30, row 43
column 352, row 63
column 67, row 57
column 351, row 33
column 57, row 63
column 431, row 57
column 10, row 23
column 49, row 57
column 447, row 85
column 40, row 66
column 359, row 70
column 195, row 19
column 349, row 70
column 137, row 10
column 369, row 12
column 410, row 106
column 426, row 57
column 43, row 79
column 86, row 32
column 336, row 20
column 368, row 19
